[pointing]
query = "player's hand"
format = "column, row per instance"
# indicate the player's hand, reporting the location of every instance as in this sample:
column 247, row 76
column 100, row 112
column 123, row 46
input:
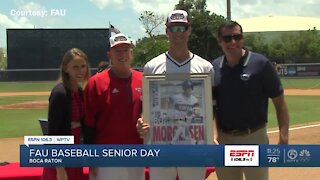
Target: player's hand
column 142, row 128
column 215, row 140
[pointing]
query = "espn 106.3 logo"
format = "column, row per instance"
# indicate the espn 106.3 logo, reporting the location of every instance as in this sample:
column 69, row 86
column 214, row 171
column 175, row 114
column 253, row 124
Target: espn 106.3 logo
column 241, row 155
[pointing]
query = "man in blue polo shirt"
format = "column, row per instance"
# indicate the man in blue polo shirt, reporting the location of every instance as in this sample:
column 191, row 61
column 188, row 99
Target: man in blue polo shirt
column 243, row 82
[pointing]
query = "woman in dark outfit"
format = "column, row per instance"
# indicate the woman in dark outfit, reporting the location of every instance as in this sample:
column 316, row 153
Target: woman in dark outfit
column 66, row 108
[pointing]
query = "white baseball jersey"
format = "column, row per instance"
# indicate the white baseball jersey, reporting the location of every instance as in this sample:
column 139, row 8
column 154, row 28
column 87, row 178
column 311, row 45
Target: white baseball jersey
column 164, row 63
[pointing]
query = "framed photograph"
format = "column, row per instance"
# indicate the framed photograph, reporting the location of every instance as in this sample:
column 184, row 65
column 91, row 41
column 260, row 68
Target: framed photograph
column 178, row 108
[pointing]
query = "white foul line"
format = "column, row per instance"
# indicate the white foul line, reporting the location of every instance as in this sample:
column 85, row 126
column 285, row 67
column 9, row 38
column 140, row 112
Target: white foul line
column 295, row 128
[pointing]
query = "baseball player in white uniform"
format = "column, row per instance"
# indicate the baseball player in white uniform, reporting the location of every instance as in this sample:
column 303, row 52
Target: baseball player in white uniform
column 178, row 59
column 182, row 106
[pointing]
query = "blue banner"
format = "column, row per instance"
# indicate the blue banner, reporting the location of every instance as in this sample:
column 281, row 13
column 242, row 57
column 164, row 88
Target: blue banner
column 290, row 155
column 169, row 155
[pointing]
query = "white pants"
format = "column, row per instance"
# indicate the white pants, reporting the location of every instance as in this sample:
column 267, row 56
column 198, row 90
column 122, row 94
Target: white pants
column 184, row 173
column 118, row 173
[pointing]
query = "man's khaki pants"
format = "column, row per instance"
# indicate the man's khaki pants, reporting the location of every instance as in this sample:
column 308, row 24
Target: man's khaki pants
column 239, row 173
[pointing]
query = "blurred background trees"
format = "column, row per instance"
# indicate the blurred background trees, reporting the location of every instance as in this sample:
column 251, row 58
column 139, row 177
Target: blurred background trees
column 280, row 47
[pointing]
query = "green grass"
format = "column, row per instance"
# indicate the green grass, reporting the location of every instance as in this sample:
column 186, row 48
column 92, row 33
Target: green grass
column 301, row 83
column 5, row 100
column 18, row 123
column 26, row 86
column 302, row 110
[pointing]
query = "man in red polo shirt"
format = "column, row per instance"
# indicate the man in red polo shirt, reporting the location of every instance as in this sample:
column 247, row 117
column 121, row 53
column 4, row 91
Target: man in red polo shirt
column 113, row 105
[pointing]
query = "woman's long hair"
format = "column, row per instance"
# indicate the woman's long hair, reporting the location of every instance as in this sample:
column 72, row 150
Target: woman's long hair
column 69, row 56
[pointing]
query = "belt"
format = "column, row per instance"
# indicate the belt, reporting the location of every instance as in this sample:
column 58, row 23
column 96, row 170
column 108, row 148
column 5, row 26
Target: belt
column 241, row 132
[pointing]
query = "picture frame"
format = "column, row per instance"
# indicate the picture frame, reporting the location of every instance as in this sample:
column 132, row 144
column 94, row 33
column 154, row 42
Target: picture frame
column 178, row 108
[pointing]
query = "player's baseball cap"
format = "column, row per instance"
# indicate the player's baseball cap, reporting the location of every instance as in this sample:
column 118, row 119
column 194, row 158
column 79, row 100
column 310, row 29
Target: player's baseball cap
column 187, row 84
column 178, row 16
column 119, row 39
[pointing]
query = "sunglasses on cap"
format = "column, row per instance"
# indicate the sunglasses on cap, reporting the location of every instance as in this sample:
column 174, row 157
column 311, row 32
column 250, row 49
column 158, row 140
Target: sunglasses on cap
column 228, row 38
column 178, row 28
